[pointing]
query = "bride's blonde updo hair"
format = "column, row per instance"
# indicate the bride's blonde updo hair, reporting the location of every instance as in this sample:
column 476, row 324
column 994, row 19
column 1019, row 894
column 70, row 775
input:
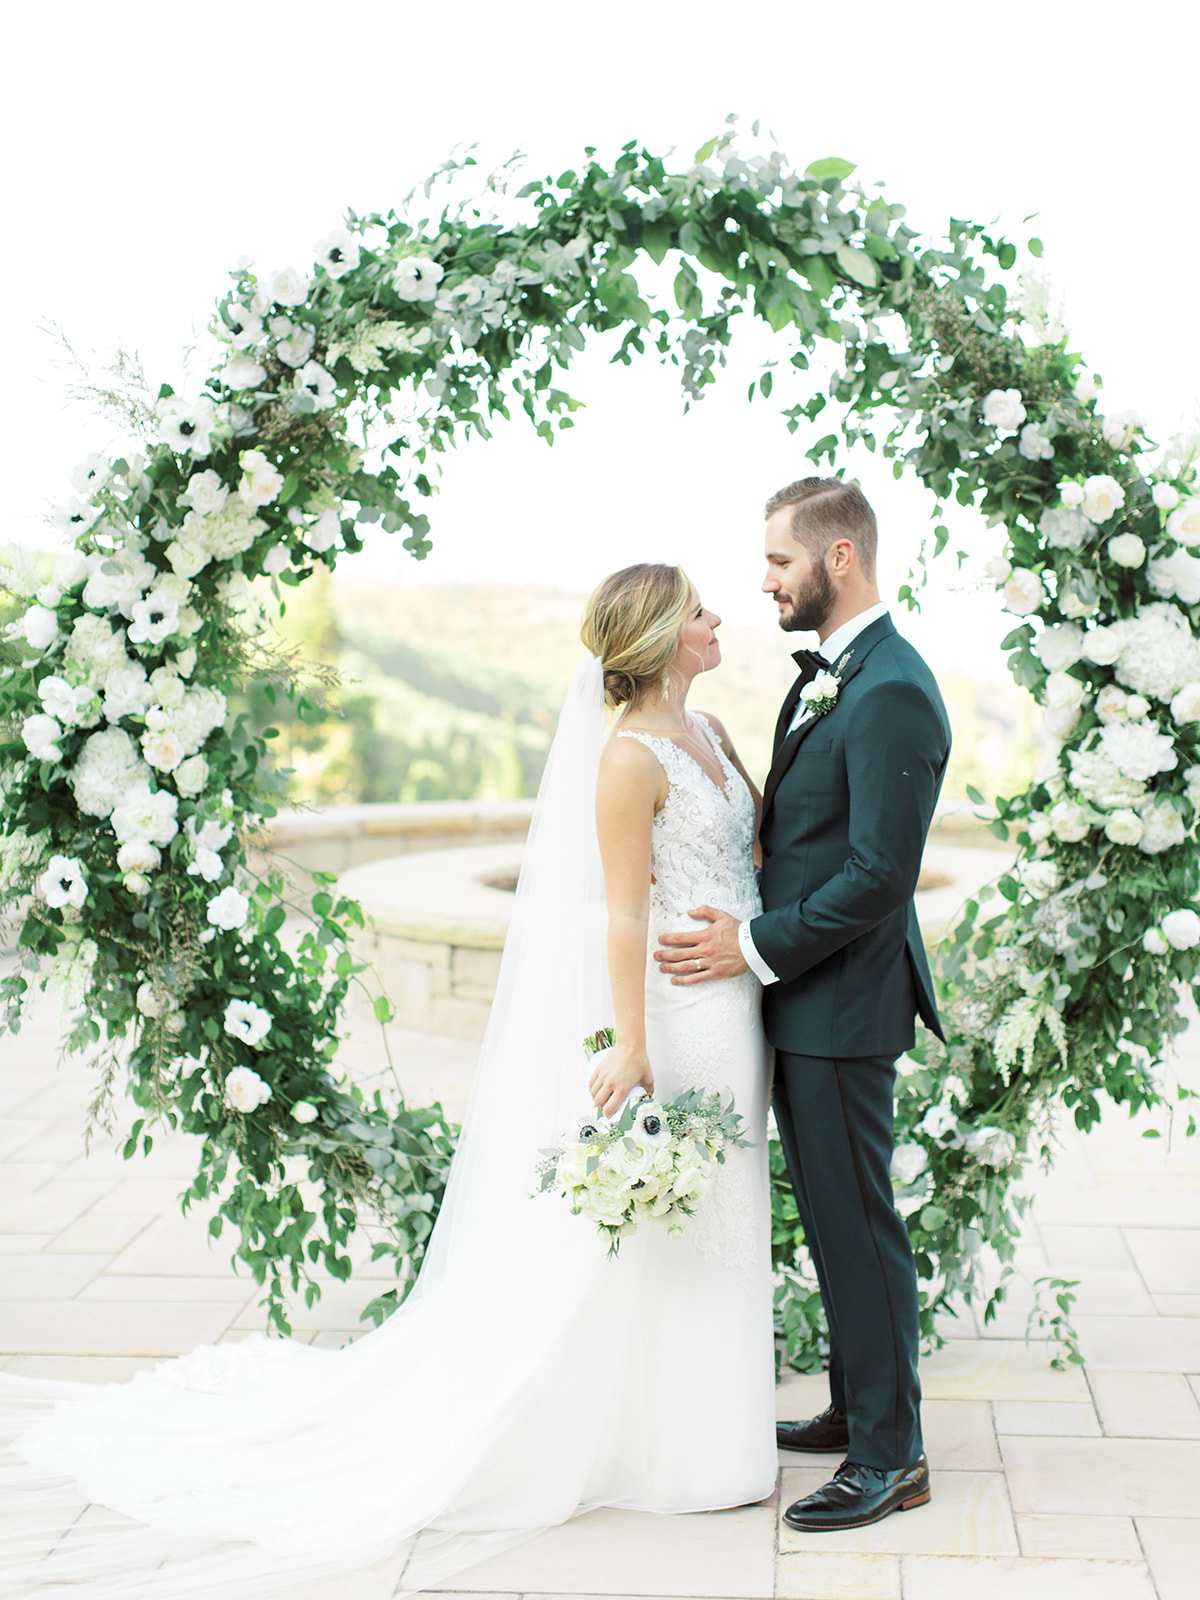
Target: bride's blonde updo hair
column 632, row 622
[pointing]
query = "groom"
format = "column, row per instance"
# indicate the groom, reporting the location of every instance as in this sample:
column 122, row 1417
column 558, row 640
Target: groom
column 857, row 768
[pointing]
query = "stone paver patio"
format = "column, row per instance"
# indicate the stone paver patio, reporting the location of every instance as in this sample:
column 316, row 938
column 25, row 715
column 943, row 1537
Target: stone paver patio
column 1062, row 1484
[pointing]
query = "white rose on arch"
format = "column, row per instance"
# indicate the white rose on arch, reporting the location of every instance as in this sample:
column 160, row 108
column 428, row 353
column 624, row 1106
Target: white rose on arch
column 1162, row 826
column 1153, row 942
column 1059, row 647
column 1035, row 443
column 1103, row 497
column 1138, row 750
column 295, row 341
column 940, row 1123
column 994, row 1147
column 1071, row 495
column 1112, row 704
column 1183, row 525
column 1181, row 929
column 1003, row 410
column 245, row 1090
column 1070, row 821
column 1120, row 428
column 1127, row 550
column 1123, row 826
column 1065, row 527
column 1165, row 496
column 999, row 569
column 39, row 627
column 228, row 910
column 287, row 287
column 1102, row 646
column 1023, row 592
column 261, row 479
column 908, row 1163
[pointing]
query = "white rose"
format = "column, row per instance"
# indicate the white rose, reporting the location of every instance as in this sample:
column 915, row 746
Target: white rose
column 146, row 814
column 1072, row 604
column 168, row 687
column 205, row 492
column 1119, row 429
column 295, row 341
column 288, row 287
column 994, row 1147
column 244, row 1089
column 338, row 253
column 1181, row 929
column 1154, row 943
column 1023, row 592
column 162, row 749
column 1165, row 496
column 1176, row 575
column 1127, row 550
column 242, row 373
column 137, row 883
column 248, row 1022
column 1041, row 878
column 1063, row 691
column 1069, row 822
column 1123, row 826
column 1003, row 409
column 1071, row 495
column 1102, row 646
column 1136, row 706
column 151, row 1004
column 1162, row 827
column 191, row 776
column 1086, row 388
column 188, row 556
column 261, row 480
column 206, row 864
column 277, row 559
column 417, row 278
column 228, row 910
column 1060, row 647
column 39, row 626
column 908, row 1163
column 1103, row 497
column 1112, row 704
column 324, row 533
column 185, row 660
column 1185, row 707
column 305, row 1111
column 70, row 569
column 63, row 883
column 999, row 569
column 1059, row 721
column 138, row 855
column 1035, row 443
column 1183, row 525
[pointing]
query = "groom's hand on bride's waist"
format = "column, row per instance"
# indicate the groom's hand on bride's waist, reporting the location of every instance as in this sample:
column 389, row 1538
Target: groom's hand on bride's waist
column 701, row 954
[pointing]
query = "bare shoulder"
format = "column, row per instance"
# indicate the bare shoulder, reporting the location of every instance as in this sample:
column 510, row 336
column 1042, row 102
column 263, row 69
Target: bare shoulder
column 718, row 727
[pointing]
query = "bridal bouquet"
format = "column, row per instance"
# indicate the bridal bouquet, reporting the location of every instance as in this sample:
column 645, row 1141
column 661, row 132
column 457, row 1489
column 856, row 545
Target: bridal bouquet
column 656, row 1159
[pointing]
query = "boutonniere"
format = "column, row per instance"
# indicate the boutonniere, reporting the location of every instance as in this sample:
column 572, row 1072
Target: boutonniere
column 821, row 694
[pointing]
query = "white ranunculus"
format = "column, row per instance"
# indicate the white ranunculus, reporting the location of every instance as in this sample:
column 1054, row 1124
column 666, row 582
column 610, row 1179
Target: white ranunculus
column 1138, row 749
column 63, row 883
column 320, row 386
column 1069, row 821
column 244, row 1089
column 1087, row 388
column 305, row 1111
column 1062, row 691
column 1035, row 443
column 146, row 814
column 41, row 734
column 1002, row 409
column 287, row 287
column 1023, row 592
column 247, row 1022
column 1040, row 877
column 999, row 569
column 337, row 252
column 138, row 855
column 324, row 533
column 1181, row 929
column 191, row 776
column 994, row 1147
column 1127, row 550
column 1165, row 496
column 1071, row 495
column 1183, row 525
column 39, row 626
column 1112, row 704
column 243, row 372
column 295, row 341
column 205, row 492
column 1154, row 943
column 1060, row 647
column 417, row 278
column 162, row 749
column 1176, row 576
column 1119, row 429
column 277, row 559
column 261, row 479
column 228, row 910
column 1162, row 826
column 1102, row 646
column 908, row 1163
column 1103, row 497
column 183, row 427
column 137, row 883
column 242, row 325
column 1123, row 826
column 168, row 688
column 1185, row 707
column 153, row 620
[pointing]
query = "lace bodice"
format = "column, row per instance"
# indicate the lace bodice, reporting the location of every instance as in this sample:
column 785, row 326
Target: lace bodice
column 702, row 846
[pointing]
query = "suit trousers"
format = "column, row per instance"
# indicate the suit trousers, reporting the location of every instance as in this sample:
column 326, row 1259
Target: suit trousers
column 835, row 1120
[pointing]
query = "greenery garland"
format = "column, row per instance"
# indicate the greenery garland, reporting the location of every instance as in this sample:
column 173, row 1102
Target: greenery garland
column 131, row 793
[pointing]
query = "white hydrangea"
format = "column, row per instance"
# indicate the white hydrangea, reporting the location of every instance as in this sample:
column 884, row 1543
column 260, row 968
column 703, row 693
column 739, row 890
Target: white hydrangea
column 222, row 534
column 109, row 766
column 1162, row 826
column 1158, row 653
column 1183, row 525
column 146, row 814
column 1176, row 576
column 1095, row 777
column 1060, row 647
column 1103, row 497
column 126, row 691
column 118, row 581
column 1181, row 929
column 1138, row 749
column 1065, row 527
column 998, row 569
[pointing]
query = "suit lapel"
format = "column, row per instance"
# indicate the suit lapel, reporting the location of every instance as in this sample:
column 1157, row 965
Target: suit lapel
column 847, row 664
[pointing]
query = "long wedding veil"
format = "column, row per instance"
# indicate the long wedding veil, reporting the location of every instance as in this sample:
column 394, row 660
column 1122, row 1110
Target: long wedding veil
column 464, row 1424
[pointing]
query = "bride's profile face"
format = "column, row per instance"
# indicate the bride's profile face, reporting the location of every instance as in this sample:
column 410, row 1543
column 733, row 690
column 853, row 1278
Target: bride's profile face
column 699, row 650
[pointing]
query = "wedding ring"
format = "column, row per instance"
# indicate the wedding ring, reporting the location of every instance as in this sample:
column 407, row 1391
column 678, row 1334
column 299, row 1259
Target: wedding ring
column 699, row 965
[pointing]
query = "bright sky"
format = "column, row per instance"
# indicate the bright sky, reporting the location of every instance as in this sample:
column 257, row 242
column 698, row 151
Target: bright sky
column 156, row 144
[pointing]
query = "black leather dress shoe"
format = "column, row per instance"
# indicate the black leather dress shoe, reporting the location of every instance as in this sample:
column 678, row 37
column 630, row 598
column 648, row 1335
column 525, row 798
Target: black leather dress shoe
column 857, row 1495
column 826, row 1432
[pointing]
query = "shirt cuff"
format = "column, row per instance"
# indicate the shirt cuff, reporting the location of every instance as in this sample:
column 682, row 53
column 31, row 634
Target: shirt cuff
column 751, row 957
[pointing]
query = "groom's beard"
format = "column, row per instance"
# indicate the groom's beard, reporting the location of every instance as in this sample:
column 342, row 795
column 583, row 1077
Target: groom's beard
column 810, row 606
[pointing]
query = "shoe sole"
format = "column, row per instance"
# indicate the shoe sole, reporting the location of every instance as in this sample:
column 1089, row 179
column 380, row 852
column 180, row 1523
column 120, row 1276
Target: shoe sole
column 816, row 1449
column 860, row 1522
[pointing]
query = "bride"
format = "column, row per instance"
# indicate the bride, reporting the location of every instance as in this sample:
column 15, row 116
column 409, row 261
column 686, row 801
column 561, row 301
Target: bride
column 527, row 1378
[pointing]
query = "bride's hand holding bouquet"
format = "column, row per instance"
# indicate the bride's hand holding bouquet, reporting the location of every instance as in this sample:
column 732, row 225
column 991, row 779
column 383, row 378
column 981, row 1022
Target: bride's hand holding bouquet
column 618, row 1070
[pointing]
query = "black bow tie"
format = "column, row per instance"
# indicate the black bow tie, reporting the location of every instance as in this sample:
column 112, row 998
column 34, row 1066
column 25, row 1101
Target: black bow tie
column 810, row 663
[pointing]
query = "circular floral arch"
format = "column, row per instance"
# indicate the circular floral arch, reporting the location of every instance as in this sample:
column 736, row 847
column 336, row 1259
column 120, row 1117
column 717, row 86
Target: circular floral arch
column 131, row 789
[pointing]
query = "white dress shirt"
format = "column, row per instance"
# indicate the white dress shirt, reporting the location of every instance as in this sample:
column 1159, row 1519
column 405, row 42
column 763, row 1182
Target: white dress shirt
column 832, row 648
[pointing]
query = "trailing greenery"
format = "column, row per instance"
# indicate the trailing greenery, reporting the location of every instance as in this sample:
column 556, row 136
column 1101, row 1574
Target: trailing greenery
column 130, row 794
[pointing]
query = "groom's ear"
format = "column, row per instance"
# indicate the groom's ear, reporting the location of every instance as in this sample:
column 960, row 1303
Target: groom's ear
column 841, row 557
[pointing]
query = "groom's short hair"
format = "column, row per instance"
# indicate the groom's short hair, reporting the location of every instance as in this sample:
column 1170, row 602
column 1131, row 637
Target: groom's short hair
column 825, row 509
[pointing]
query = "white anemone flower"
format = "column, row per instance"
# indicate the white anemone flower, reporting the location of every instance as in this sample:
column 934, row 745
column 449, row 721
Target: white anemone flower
column 154, row 619
column 337, row 252
column 320, row 386
column 63, row 883
column 76, row 517
column 242, row 326
column 417, row 278
column 91, row 474
column 247, row 1022
column 185, row 427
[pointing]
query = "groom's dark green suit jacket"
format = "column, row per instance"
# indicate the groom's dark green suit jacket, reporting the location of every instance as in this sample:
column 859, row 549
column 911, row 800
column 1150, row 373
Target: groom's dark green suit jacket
column 846, row 808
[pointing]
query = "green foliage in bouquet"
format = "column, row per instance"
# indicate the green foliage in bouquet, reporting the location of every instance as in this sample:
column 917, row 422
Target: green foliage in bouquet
column 130, row 794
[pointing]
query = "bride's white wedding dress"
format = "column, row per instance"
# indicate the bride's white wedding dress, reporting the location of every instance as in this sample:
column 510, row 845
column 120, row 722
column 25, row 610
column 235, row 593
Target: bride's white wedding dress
column 527, row 1377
